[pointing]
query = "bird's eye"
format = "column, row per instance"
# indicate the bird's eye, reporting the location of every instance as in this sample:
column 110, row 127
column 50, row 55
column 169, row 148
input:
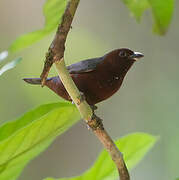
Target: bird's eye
column 122, row 54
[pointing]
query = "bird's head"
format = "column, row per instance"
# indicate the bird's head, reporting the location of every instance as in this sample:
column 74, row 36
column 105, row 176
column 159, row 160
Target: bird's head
column 122, row 59
column 123, row 56
column 127, row 54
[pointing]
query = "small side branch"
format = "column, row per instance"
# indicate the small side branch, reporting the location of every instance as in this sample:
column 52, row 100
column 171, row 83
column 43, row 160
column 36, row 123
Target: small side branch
column 57, row 47
column 55, row 55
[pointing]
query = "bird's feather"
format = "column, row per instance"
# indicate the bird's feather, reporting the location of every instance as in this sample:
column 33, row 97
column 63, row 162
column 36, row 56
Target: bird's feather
column 84, row 66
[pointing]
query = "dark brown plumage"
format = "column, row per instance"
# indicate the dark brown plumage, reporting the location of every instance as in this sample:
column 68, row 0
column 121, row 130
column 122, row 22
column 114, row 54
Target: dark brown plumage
column 97, row 78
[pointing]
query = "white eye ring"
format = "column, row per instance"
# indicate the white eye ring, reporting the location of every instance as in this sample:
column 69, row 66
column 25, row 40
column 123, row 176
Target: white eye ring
column 122, row 54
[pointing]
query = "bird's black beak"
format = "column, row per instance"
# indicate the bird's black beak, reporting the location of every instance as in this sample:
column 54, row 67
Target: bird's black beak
column 136, row 55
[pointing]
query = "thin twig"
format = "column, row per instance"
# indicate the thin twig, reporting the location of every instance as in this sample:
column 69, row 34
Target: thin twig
column 55, row 55
column 57, row 47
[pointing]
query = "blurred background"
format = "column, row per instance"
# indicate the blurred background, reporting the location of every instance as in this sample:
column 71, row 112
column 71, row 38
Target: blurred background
column 147, row 102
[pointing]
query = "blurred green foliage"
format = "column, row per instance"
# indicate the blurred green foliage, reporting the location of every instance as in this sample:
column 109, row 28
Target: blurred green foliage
column 137, row 7
column 53, row 11
column 162, row 12
column 23, row 139
column 133, row 146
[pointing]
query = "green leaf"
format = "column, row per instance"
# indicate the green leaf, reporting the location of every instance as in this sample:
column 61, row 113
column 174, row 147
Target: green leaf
column 134, row 147
column 53, row 11
column 162, row 13
column 137, row 7
column 10, row 65
column 25, row 138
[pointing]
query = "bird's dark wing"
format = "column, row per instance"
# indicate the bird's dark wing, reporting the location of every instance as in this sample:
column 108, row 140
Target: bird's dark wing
column 84, row 66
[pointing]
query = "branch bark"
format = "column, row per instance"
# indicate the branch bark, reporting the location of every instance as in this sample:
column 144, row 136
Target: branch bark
column 55, row 55
column 57, row 47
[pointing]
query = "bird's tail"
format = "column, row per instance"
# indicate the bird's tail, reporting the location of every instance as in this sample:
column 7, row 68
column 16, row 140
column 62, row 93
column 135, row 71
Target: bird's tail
column 35, row 81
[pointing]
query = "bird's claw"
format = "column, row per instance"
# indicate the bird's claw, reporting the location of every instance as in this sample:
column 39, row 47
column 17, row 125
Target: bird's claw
column 81, row 98
column 93, row 107
column 95, row 123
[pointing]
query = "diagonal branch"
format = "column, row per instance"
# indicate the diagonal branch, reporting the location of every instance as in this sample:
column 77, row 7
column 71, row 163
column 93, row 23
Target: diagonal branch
column 55, row 55
column 57, row 47
column 92, row 120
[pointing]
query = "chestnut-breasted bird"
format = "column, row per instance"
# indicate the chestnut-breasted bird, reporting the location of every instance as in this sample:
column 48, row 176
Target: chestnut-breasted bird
column 97, row 78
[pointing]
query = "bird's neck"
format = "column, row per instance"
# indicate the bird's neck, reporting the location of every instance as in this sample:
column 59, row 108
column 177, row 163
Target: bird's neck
column 120, row 69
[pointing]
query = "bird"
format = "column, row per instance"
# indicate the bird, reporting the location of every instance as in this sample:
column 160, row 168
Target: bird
column 97, row 78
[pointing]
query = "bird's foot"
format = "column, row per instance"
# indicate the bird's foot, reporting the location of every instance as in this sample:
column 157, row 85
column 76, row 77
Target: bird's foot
column 95, row 123
column 93, row 107
column 81, row 98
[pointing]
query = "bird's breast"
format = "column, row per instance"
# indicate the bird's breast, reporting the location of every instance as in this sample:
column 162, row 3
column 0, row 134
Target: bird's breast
column 97, row 86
